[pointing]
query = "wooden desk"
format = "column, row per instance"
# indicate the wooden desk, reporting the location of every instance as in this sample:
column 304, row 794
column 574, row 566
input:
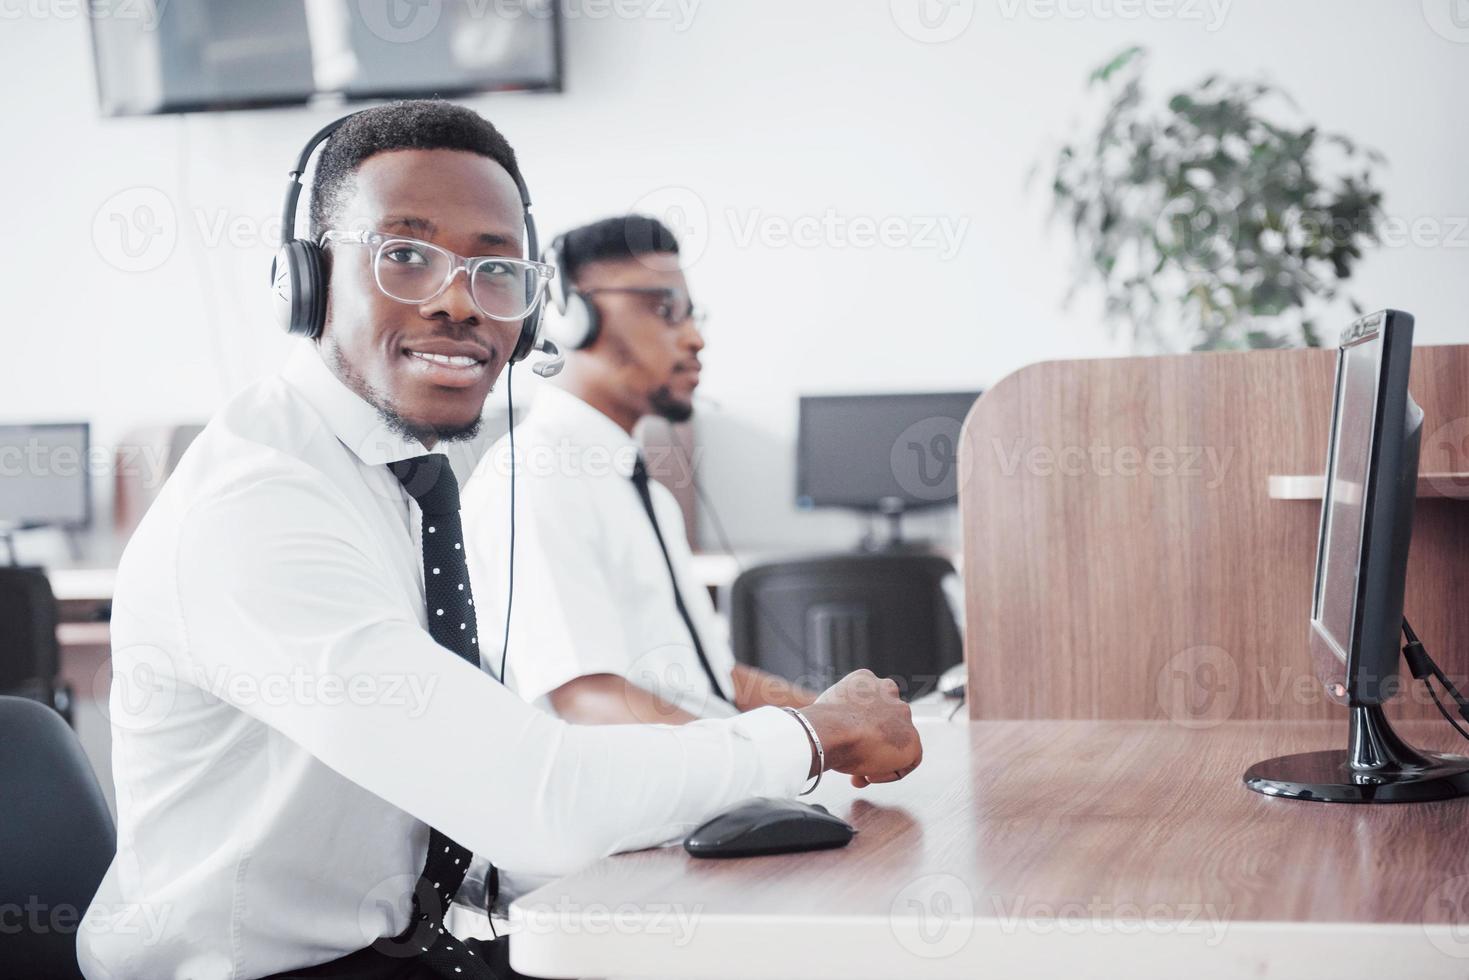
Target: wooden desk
column 1047, row 849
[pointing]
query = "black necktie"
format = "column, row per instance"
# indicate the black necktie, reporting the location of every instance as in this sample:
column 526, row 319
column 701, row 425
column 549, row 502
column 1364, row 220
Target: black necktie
column 430, row 481
column 640, row 480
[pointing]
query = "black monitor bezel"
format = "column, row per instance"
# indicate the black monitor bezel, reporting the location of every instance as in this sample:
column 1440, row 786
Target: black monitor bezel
column 1367, row 673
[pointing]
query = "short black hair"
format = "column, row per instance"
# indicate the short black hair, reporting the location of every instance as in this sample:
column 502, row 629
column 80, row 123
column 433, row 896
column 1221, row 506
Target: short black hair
column 624, row 237
column 415, row 124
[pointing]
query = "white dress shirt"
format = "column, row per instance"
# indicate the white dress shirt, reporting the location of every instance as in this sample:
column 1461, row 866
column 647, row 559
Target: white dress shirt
column 285, row 730
column 592, row 591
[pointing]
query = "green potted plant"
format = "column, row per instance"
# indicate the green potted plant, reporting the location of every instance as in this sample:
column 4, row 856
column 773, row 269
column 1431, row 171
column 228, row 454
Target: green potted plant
column 1208, row 222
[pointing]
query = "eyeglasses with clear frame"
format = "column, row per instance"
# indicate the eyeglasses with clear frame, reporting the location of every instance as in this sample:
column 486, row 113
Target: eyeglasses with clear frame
column 675, row 307
column 412, row 271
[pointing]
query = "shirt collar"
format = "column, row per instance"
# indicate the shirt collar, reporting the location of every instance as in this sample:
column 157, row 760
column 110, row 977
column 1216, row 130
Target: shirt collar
column 351, row 419
column 559, row 412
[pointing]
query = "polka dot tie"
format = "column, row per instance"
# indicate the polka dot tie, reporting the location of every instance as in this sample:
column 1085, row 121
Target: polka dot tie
column 431, row 482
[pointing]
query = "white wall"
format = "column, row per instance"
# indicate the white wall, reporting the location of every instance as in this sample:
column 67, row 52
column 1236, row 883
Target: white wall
column 748, row 108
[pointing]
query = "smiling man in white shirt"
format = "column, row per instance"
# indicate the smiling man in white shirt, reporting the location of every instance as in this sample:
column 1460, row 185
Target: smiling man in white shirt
column 624, row 632
column 307, row 753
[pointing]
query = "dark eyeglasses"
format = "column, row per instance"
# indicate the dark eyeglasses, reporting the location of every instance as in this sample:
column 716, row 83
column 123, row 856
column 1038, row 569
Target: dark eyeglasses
column 674, row 305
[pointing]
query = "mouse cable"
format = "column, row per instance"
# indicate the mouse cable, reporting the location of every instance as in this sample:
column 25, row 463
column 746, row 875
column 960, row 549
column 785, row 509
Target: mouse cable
column 1421, row 665
column 962, row 701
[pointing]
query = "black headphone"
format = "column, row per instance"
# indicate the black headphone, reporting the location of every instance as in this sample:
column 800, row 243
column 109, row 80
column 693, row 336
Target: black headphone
column 298, row 274
column 577, row 322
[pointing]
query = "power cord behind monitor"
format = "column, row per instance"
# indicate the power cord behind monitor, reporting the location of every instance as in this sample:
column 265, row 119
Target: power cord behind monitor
column 1424, row 669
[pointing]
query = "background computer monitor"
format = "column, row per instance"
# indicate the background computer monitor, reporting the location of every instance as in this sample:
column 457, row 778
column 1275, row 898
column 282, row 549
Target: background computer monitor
column 880, row 452
column 44, row 476
column 1366, row 512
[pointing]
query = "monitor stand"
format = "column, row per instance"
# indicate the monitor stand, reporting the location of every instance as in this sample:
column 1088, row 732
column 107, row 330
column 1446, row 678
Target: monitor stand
column 892, row 510
column 1376, row 767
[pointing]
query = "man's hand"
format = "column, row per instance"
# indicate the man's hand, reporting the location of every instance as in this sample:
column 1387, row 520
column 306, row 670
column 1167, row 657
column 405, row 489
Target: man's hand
column 866, row 729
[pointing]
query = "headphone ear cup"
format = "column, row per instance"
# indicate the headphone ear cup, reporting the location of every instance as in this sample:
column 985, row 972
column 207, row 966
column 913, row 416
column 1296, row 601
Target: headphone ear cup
column 298, row 280
column 533, row 325
column 530, row 334
column 577, row 325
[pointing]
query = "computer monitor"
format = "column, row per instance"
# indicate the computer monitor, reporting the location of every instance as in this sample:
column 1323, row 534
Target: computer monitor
column 1361, row 568
column 44, row 476
column 1366, row 513
column 882, row 453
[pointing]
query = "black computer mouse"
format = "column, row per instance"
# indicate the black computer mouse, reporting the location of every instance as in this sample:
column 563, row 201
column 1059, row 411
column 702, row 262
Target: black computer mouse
column 768, row 826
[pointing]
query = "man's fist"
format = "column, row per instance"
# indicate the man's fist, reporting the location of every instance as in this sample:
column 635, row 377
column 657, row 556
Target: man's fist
column 866, row 729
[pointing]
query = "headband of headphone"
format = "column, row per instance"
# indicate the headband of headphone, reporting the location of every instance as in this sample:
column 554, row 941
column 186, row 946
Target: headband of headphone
column 577, row 323
column 298, row 272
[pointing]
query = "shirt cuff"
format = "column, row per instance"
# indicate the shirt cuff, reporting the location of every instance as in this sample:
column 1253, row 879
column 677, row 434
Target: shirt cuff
column 782, row 743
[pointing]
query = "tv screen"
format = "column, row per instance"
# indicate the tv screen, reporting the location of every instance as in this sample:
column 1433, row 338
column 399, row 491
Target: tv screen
column 227, row 54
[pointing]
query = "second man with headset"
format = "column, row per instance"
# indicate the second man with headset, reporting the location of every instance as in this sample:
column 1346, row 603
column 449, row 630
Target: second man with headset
column 623, row 631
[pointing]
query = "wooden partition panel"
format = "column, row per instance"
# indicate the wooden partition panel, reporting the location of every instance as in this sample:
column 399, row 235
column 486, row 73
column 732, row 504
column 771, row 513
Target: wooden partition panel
column 1123, row 557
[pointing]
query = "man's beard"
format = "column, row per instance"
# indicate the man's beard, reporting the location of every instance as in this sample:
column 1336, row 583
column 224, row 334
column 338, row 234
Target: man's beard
column 391, row 417
column 665, row 406
column 423, row 433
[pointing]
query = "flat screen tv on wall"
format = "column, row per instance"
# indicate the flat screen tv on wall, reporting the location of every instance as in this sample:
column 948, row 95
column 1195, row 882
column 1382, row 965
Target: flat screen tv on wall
column 159, row 57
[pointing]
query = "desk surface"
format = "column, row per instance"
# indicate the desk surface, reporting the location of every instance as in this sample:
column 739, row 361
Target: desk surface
column 1045, row 849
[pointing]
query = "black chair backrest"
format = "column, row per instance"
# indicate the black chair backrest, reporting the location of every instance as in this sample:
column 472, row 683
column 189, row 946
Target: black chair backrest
column 56, row 839
column 817, row 619
column 28, row 651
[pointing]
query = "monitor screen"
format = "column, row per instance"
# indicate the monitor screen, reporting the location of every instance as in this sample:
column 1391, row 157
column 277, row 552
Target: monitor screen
column 44, row 475
column 1344, row 503
column 224, row 54
column 880, row 452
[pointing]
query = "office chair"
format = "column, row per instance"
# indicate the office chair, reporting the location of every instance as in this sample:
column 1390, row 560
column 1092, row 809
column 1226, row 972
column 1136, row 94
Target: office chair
column 56, row 839
column 29, row 656
column 815, row 620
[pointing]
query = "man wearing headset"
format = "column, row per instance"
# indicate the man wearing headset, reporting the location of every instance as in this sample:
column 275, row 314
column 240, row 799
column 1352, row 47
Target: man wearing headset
column 623, row 631
column 311, row 763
